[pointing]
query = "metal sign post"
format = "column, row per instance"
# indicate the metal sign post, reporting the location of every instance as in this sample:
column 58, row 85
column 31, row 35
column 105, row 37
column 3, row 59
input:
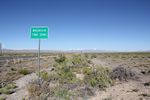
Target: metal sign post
column 39, row 61
column 39, row 33
column 0, row 49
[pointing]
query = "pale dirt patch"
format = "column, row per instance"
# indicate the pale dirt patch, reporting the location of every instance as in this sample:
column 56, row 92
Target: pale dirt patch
column 21, row 91
column 124, row 91
column 21, row 83
column 80, row 76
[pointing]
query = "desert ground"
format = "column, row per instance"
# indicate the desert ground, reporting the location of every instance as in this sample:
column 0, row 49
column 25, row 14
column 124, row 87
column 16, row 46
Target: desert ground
column 75, row 76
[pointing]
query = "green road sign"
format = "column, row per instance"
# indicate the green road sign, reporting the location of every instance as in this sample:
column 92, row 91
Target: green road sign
column 39, row 32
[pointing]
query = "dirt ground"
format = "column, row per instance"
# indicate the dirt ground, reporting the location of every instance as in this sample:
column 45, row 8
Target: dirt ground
column 131, row 89
column 136, row 89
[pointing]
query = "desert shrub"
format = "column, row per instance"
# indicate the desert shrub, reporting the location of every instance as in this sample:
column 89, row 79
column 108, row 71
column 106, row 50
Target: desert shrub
column 44, row 91
column 77, row 70
column 135, row 90
column 87, row 70
column 65, row 75
column 99, row 78
column 145, row 72
column 86, row 55
column 145, row 95
column 2, row 98
column 48, row 76
column 79, row 61
column 147, row 84
column 24, row 71
column 109, row 98
column 64, row 72
column 8, row 89
column 89, row 61
column 135, row 56
column 76, row 60
column 13, row 69
column 122, row 74
column 60, row 63
column 53, row 76
column 62, row 93
column 85, row 92
column 37, row 91
column 44, row 75
column 64, row 83
column 93, row 56
column 60, row 59
column 33, row 91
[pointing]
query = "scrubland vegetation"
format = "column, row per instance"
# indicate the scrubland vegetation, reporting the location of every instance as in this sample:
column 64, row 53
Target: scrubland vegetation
column 63, row 82
column 74, row 76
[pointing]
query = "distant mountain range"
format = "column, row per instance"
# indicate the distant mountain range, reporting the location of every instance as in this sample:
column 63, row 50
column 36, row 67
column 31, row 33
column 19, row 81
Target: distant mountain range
column 81, row 51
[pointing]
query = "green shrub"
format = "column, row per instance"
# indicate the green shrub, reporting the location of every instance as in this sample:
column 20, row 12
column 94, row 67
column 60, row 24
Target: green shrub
column 100, row 78
column 11, row 86
column 93, row 56
column 109, row 98
column 87, row 70
column 80, row 61
column 86, row 55
column 33, row 89
column 62, row 93
column 145, row 95
column 8, row 89
column 2, row 98
column 44, row 75
column 65, row 75
column 77, row 59
column 37, row 91
column 60, row 59
column 24, row 71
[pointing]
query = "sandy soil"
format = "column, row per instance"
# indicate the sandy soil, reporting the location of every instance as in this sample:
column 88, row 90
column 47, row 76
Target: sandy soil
column 130, row 90
column 21, row 83
column 122, row 90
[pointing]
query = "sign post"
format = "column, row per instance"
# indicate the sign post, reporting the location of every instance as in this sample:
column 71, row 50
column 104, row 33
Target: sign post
column 0, row 49
column 39, row 33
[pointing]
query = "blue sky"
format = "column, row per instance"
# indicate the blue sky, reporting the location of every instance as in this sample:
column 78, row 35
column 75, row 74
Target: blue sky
column 76, row 24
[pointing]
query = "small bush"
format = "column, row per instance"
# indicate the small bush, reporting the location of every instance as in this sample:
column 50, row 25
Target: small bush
column 24, row 71
column 85, row 92
column 100, row 78
column 65, row 75
column 13, row 69
column 145, row 95
column 11, row 86
column 60, row 59
column 122, row 74
column 135, row 90
column 93, row 56
column 8, row 89
column 79, row 61
column 109, row 98
column 86, row 55
column 147, row 84
column 87, row 70
column 62, row 93
column 33, row 89
column 2, row 98
column 37, row 91
column 44, row 75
